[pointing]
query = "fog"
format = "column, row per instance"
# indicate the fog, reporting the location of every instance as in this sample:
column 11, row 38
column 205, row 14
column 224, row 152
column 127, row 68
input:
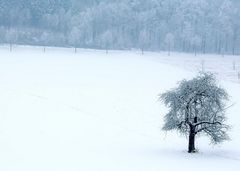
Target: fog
column 199, row 26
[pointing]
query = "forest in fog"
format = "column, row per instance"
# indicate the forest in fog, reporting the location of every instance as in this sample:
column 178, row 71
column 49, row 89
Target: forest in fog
column 200, row 26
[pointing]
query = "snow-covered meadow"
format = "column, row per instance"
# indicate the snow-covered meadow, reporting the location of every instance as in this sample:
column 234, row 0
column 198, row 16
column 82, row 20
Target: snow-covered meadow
column 93, row 111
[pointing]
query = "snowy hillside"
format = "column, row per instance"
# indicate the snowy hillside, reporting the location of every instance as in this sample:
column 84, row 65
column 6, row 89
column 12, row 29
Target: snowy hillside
column 93, row 111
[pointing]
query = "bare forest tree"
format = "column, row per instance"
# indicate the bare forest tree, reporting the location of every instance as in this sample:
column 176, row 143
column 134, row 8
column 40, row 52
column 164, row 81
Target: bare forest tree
column 106, row 40
column 169, row 40
column 11, row 38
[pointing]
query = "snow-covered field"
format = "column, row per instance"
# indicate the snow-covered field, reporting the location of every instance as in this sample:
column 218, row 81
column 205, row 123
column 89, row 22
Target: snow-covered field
column 90, row 111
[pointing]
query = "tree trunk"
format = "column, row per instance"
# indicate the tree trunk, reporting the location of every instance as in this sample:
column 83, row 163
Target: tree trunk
column 169, row 49
column 10, row 47
column 226, row 43
column 195, row 50
column 204, row 45
column 183, row 46
column 219, row 47
column 233, row 50
column 233, row 44
column 191, row 142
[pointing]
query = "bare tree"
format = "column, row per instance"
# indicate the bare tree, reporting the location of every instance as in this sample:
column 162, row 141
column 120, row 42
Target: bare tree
column 11, row 37
column 75, row 38
column 169, row 41
column 144, row 40
column 196, row 42
column 107, row 40
column 197, row 107
column 45, row 39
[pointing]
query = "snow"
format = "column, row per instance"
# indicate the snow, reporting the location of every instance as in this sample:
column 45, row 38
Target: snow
column 93, row 111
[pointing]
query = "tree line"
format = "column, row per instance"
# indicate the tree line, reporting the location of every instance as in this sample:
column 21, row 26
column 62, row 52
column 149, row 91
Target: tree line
column 199, row 26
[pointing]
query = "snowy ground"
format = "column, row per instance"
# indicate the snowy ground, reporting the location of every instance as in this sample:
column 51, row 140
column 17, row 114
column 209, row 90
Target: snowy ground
column 89, row 111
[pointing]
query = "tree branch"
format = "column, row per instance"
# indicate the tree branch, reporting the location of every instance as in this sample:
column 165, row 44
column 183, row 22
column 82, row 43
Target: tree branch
column 183, row 123
column 206, row 122
column 202, row 129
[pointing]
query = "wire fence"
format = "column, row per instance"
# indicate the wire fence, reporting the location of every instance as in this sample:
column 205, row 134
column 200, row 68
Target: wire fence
column 226, row 68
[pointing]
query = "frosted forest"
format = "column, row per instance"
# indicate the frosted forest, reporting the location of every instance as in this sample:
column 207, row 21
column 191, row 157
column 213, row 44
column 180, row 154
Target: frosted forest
column 199, row 26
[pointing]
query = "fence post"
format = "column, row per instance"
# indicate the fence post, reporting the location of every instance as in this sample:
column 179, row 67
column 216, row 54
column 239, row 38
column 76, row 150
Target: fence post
column 203, row 65
column 234, row 65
